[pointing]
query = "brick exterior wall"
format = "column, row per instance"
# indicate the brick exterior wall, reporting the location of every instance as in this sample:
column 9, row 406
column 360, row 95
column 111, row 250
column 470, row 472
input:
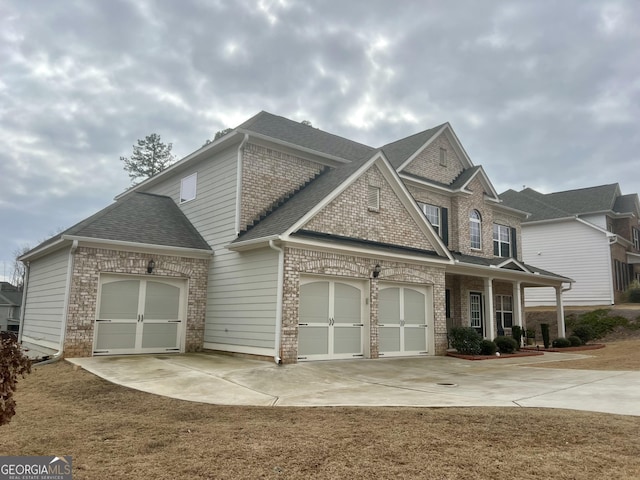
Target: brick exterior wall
column 299, row 262
column 267, row 176
column 427, row 162
column 89, row 263
column 348, row 215
column 459, row 218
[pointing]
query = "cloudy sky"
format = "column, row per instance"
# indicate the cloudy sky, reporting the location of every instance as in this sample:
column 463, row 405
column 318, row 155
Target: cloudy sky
column 541, row 93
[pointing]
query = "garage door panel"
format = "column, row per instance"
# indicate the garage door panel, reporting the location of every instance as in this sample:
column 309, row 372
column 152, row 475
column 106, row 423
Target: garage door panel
column 346, row 304
column 348, row 340
column 389, row 339
column 415, row 339
column 414, row 306
column 160, row 335
column 113, row 336
column 313, row 340
column 314, row 302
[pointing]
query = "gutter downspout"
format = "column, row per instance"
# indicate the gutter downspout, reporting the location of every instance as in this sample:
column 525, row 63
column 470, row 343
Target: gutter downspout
column 67, row 289
column 23, row 307
column 239, row 182
column 279, row 291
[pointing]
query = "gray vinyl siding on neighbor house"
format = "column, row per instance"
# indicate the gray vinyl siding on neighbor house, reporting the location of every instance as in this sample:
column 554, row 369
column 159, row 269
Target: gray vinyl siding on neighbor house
column 44, row 311
column 241, row 293
column 573, row 250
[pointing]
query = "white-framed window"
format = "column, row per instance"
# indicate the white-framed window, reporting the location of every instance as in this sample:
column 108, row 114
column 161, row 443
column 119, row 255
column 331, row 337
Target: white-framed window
column 475, row 230
column 501, row 240
column 636, row 238
column 433, row 215
column 373, row 198
column 504, row 310
column 188, row 187
column 443, row 157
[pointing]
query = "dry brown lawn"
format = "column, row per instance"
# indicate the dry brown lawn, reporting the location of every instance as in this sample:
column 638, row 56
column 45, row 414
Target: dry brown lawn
column 115, row 432
column 620, row 355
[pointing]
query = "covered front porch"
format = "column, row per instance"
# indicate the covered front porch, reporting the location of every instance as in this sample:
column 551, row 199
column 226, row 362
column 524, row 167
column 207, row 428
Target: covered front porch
column 488, row 294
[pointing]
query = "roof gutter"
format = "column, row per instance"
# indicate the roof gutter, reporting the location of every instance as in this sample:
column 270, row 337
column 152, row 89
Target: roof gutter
column 142, row 246
column 279, row 292
column 23, row 307
column 239, row 182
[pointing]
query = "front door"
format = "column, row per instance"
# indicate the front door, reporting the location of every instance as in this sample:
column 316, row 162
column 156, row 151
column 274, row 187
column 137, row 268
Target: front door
column 330, row 319
column 402, row 312
column 139, row 315
column 476, row 312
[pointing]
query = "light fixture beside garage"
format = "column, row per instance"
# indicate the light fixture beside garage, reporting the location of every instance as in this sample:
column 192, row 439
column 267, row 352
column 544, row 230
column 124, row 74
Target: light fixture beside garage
column 376, row 270
column 150, row 266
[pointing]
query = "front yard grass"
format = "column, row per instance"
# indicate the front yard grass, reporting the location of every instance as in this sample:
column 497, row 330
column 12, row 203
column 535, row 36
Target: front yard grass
column 620, row 355
column 115, row 432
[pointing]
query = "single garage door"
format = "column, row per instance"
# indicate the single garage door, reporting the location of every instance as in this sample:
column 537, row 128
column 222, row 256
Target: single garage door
column 402, row 320
column 139, row 315
column 330, row 322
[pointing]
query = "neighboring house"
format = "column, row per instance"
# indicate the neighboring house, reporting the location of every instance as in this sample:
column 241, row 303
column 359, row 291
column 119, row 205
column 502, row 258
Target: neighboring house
column 281, row 240
column 591, row 235
column 10, row 301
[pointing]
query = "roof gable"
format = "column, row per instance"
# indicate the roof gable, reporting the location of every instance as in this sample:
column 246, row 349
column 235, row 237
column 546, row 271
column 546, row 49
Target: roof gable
column 297, row 213
column 348, row 215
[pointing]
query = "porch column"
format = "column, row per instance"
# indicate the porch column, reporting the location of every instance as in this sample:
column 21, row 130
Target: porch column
column 560, row 310
column 490, row 321
column 517, row 304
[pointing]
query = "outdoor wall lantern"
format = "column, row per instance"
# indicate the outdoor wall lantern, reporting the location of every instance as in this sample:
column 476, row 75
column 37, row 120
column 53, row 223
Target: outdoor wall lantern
column 151, row 266
column 376, row 270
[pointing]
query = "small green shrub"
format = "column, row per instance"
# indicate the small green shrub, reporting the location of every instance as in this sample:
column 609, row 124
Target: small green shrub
column 544, row 327
column 516, row 333
column 584, row 332
column 575, row 341
column 466, row 340
column 505, row 344
column 600, row 322
column 634, row 295
column 561, row 343
column 531, row 332
column 487, row 347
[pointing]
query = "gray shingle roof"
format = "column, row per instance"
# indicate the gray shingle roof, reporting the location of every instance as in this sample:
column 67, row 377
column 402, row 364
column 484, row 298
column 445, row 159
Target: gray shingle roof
column 564, row 204
column 487, row 262
column 399, row 151
column 10, row 298
column 281, row 128
column 139, row 218
column 626, row 203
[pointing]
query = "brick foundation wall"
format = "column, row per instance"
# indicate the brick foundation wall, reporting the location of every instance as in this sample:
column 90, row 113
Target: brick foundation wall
column 299, row 262
column 89, row 263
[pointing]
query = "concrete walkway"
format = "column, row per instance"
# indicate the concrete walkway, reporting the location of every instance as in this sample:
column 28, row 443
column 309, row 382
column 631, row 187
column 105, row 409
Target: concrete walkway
column 416, row 381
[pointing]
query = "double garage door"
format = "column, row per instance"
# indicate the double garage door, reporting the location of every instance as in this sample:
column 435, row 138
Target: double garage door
column 333, row 319
column 139, row 315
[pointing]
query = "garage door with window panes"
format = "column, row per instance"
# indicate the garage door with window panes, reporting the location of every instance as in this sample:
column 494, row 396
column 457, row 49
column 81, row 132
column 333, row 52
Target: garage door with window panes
column 330, row 322
column 139, row 315
column 402, row 320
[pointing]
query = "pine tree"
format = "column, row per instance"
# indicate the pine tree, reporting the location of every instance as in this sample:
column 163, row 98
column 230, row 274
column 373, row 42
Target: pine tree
column 150, row 157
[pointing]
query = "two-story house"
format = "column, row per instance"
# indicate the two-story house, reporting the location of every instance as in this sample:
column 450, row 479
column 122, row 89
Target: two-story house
column 10, row 301
column 591, row 235
column 280, row 240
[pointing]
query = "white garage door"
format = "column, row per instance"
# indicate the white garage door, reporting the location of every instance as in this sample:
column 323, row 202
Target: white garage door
column 139, row 315
column 402, row 320
column 330, row 319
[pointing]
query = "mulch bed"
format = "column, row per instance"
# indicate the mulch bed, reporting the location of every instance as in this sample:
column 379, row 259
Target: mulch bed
column 594, row 346
column 531, row 353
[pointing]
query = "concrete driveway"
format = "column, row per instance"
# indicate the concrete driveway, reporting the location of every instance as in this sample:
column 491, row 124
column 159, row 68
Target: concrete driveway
column 417, row 381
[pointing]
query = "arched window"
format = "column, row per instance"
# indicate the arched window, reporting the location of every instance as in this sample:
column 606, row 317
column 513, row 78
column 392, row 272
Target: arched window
column 475, row 229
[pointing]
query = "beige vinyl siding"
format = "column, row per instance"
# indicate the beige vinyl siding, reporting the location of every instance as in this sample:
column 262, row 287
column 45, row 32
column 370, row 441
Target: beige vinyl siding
column 44, row 311
column 241, row 293
column 574, row 250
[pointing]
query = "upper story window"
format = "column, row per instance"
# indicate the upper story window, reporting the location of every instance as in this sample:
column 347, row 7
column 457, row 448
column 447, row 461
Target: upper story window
column 443, row 157
column 501, row 240
column 433, row 215
column 373, row 198
column 475, row 229
column 188, row 188
column 636, row 238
